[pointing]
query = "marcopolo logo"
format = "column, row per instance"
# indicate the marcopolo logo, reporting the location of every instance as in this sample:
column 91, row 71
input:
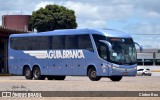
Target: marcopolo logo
column 56, row 54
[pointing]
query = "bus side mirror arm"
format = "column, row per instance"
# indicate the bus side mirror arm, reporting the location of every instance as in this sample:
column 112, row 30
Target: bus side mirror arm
column 140, row 46
column 108, row 44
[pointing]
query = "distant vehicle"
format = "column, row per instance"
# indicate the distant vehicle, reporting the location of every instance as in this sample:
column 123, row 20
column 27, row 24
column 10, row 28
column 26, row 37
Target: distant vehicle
column 149, row 59
column 144, row 72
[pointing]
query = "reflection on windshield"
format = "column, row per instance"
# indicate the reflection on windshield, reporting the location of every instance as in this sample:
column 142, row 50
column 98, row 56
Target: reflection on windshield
column 123, row 51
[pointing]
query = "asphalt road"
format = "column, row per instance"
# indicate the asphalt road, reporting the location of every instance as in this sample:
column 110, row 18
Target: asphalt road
column 138, row 83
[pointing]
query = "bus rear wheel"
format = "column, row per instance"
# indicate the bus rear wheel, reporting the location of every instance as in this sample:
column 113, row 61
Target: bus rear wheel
column 92, row 74
column 60, row 77
column 28, row 73
column 37, row 74
column 115, row 78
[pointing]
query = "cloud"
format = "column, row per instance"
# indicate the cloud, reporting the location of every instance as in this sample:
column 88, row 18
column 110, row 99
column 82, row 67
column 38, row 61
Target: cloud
column 94, row 15
column 103, row 12
column 147, row 5
column 146, row 34
column 86, row 14
column 42, row 4
column 153, row 14
column 147, row 41
column 91, row 24
column 143, row 28
column 86, row 11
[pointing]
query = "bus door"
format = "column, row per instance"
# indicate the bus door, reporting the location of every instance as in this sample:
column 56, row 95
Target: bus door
column 103, row 52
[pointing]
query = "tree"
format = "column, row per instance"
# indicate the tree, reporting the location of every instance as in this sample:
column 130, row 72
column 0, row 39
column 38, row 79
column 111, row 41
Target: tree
column 52, row 17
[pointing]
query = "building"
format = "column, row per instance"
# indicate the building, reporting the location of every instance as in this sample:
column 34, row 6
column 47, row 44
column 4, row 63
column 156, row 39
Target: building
column 11, row 24
column 19, row 22
column 149, row 58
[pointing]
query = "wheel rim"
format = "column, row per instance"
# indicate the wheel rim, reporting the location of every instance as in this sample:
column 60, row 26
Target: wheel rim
column 27, row 72
column 93, row 74
column 36, row 73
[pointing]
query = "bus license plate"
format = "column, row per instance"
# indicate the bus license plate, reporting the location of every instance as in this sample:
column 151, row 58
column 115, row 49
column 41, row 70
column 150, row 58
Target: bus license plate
column 125, row 73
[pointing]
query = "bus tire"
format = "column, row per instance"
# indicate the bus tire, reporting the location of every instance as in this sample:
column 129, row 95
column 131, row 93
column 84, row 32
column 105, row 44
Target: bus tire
column 60, row 77
column 37, row 74
column 50, row 77
column 116, row 78
column 92, row 75
column 28, row 73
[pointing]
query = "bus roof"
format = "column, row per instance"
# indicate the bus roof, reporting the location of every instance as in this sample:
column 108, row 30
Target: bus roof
column 104, row 32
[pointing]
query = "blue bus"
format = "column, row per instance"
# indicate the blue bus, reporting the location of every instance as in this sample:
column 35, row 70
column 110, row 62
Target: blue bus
column 95, row 53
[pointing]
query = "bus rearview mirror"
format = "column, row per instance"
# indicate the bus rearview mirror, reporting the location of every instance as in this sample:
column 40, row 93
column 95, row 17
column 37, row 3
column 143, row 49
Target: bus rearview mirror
column 107, row 43
column 140, row 46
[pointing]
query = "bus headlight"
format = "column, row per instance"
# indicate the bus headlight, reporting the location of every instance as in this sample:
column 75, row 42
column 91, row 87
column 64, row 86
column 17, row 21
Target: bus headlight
column 109, row 65
column 115, row 66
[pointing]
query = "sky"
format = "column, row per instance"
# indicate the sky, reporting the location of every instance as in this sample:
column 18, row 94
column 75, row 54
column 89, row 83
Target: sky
column 140, row 18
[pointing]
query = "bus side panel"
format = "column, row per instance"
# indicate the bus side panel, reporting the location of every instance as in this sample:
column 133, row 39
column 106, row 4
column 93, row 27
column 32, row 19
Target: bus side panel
column 12, row 62
column 12, row 66
column 79, row 67
column 20, row 64
column 59, row 67
column 16, row 62
column 101, row 68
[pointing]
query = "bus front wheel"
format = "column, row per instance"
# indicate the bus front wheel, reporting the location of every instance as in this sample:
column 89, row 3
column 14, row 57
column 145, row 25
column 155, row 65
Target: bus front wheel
column 115, row 78
column 37, row 74
column 92, row 74
column 28, row 73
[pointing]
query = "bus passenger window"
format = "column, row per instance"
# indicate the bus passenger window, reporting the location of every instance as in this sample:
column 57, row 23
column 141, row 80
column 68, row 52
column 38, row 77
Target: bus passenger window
column 58, row 42
column 71, row 42
column 84, row 42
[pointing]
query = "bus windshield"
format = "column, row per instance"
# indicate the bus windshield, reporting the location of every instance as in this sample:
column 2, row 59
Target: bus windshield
column 123, row 51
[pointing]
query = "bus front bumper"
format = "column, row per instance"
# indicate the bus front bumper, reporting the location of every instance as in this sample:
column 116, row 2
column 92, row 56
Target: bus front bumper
column 123, row 71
